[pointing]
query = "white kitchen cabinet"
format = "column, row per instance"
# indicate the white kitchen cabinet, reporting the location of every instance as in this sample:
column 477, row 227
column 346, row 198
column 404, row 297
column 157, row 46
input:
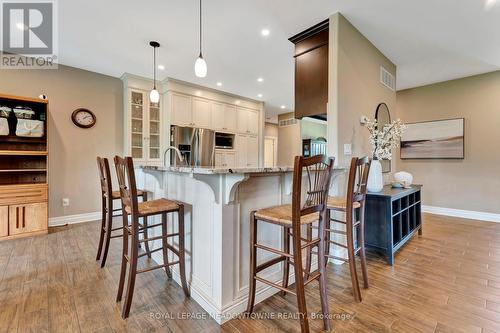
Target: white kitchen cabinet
column 247, row 147
column 225, row 159
column 224, row 117
column 143, row 128
column 202, row 113
column 182, row 113
column 248, row 121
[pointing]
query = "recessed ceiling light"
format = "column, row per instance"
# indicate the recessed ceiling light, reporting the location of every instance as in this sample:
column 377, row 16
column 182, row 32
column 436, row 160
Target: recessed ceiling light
column 488, row 4
column 259, row 95
column 282, row 106
column 20, row 26
column 265, row 32
column 260, row 79
column 161, row 67
column 219, row 84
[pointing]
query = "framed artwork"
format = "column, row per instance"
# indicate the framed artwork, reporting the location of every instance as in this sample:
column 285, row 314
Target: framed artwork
column 440, row 139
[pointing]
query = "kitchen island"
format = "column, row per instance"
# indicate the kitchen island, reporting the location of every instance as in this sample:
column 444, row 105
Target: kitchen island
column 218, row 202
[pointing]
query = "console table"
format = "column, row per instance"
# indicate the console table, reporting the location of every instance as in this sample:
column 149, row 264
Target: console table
column 392, row 217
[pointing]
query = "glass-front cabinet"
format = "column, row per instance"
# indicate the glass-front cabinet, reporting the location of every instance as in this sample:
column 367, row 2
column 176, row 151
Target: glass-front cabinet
column 143, row 128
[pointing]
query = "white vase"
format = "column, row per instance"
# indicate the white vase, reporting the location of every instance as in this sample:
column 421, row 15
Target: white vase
column 375, row 179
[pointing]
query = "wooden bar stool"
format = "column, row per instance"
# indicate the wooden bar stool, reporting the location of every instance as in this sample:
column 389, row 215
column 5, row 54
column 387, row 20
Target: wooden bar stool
column 292, row 218
column 130, row 206
column 354, row 208
column 107, row 211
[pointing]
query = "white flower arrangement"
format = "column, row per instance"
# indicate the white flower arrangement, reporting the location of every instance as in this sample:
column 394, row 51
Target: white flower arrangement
column 386, row 139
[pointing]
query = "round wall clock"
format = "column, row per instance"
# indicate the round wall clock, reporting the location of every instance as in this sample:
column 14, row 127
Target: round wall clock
column 83, row 118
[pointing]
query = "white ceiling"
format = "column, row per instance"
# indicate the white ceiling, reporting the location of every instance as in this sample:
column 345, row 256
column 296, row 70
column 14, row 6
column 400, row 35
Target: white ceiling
column 429, row 40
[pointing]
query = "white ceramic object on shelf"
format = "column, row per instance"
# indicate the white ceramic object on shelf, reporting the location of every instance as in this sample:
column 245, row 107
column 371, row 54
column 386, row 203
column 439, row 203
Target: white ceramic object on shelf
column 404, row 178
column 375, row 179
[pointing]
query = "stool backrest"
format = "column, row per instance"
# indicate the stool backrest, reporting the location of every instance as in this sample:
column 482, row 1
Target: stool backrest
column 105, row 177
column 319, row 175
column 126, row 180
column 358, row 178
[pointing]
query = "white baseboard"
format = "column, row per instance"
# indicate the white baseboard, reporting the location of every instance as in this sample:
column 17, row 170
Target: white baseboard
column 466, row 214
column 72, row 219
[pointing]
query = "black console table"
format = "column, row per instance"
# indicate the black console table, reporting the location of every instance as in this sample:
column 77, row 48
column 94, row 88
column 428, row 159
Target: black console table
column 392, row 217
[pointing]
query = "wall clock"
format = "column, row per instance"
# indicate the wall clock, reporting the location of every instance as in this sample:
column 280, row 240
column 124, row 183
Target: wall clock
column 83, row 118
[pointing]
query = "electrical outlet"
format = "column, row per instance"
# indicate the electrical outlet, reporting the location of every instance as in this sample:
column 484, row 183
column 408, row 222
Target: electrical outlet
column 65, row 202
column 347, row 149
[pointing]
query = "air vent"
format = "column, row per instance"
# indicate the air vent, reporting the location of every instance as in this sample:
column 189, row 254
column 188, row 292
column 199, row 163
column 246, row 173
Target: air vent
column 387, row 79
column 287, row 122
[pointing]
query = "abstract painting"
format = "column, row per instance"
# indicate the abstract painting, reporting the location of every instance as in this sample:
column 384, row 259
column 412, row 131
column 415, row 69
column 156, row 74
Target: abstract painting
column 434, row 139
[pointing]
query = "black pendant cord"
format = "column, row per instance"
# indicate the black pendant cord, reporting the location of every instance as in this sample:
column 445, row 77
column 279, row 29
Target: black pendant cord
column 154, row 68
column 200, row 32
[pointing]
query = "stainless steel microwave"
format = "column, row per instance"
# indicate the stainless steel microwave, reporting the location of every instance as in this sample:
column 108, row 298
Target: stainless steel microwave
column 224, row 141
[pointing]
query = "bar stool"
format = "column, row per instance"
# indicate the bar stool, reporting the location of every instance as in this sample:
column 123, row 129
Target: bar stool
column 292, row 218
column 130, row 206
column 107, row 211
column 355, row 201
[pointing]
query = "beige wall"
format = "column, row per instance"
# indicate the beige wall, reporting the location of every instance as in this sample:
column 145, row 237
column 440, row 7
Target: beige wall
column 354, row 88
column 72, row 151
column 472, row 183
column 271, row 129
column 289, row 141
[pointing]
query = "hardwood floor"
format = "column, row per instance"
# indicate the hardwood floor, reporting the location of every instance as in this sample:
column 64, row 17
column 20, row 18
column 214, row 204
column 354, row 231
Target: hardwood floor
column 448, row 280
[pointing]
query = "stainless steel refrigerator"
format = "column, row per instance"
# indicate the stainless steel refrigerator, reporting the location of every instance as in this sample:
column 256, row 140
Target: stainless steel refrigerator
column 197, row 145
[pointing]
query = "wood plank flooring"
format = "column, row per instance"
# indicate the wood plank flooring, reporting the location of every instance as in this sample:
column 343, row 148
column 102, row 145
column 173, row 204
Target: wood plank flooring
column 448, row 280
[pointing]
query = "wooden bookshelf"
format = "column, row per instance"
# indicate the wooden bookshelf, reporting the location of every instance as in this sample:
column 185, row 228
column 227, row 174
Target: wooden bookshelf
column 24, row 174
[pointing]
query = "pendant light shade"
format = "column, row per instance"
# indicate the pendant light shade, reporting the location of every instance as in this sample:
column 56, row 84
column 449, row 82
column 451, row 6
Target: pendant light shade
column 200, row 66
column 154, row 95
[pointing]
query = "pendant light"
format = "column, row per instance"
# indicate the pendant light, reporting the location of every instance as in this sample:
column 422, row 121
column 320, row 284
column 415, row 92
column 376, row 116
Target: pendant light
column 154, row 95
column 200, row 66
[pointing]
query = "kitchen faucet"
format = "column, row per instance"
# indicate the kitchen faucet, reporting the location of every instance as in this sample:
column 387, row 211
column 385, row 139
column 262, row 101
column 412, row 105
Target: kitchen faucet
column 179, row 156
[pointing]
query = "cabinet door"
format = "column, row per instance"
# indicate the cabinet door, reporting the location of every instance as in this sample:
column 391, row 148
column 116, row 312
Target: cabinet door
column 218, row 116
column 230, row 160
column 253, row 122
column 202, row 113
column 252, row 151
column 241, row 151
column 27, row 218
column 137, row 123
column 230, row 120
column 4, row 221
column 219, row 159
column 181, row 110
column 242, row 119
column 154, row 132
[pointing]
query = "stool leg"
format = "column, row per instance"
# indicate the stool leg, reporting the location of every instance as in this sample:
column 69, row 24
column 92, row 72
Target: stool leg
column 322, row 271
column 164, row 241
column 253, row 263
column 109, row 227
column 309, row 252
column 299, row 281
column 145, row 224
column 352, row 256
column 361, row 240
column 327, row 234
column 182, row 251
column 129, row 294
column 286, row 263
column 123, row 270
column 103, row 227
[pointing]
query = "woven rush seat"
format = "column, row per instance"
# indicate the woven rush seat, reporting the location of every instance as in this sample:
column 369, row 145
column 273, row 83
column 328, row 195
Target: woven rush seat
column 116, row 194
column 338, row 203
column 283, row 215
column 155, row 206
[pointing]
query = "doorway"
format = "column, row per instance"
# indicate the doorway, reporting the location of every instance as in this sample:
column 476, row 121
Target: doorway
column 270, row 151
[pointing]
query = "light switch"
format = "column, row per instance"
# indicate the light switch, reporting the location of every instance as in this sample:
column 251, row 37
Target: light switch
column 347, row 149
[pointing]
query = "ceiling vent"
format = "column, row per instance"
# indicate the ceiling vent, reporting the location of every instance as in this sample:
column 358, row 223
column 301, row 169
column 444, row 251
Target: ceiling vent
column 387, row 79
column 287, row 122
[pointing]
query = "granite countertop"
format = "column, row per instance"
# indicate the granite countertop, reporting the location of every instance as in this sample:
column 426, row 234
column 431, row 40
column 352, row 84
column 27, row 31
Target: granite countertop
column 220, row 170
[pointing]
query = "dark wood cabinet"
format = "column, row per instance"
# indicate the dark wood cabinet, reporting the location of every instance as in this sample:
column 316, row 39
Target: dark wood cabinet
column 311, row 70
